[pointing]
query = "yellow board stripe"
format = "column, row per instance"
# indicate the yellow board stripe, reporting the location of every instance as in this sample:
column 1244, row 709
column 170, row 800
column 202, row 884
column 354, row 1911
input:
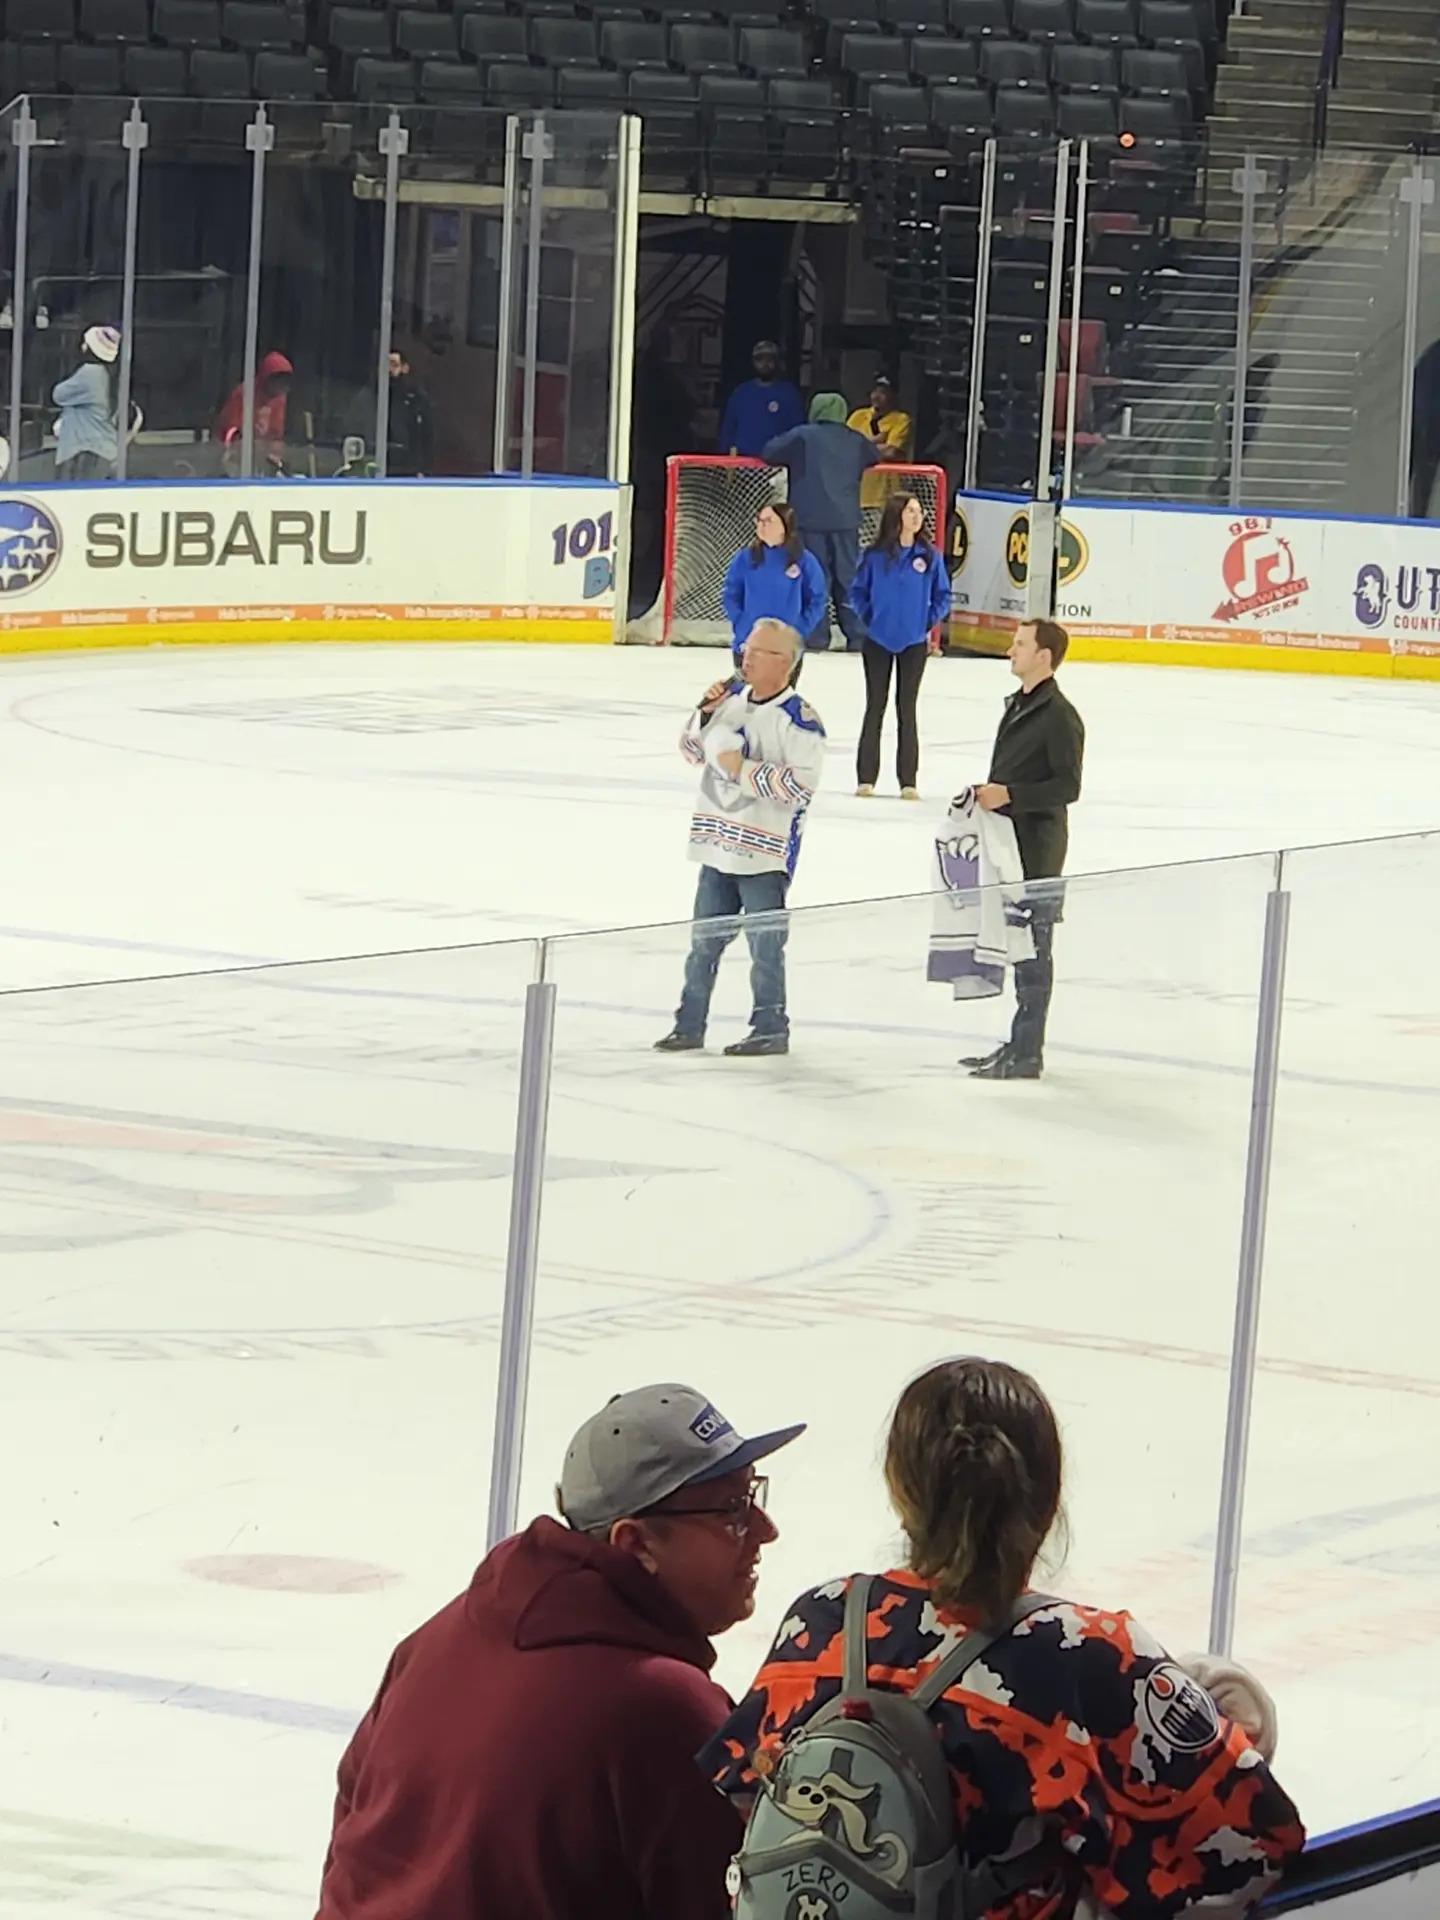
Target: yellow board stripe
column 208, row 633
column 1229, row 655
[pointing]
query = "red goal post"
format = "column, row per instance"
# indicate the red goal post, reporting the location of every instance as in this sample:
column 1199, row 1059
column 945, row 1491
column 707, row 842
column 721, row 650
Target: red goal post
column 711, row 501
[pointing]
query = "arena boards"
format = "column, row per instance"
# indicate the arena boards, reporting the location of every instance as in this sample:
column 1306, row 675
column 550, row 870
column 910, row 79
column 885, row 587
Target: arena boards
column 126, row 565
column 1210, row 586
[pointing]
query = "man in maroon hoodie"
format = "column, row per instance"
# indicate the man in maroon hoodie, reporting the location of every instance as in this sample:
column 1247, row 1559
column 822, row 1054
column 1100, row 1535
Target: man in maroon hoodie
column 531, row 1752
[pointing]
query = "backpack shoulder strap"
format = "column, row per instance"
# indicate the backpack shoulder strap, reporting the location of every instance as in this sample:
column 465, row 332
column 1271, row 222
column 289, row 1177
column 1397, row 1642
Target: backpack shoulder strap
column 973, row 1646
column 857, row 1653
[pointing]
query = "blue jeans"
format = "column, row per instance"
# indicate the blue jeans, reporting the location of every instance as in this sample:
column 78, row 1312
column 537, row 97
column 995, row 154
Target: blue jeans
column 725, row 897
column 839, row 555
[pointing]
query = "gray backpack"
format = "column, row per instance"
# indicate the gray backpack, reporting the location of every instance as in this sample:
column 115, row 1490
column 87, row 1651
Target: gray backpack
column 857, row 1819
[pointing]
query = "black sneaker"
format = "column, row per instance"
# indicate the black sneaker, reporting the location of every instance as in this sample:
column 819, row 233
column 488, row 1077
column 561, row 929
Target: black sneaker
column 983, row 1059
column 759, row 1043
column 677, row 1042
column 1005, row 1066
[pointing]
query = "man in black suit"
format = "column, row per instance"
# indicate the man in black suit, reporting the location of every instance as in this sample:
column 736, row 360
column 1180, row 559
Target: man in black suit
column 1034, row 778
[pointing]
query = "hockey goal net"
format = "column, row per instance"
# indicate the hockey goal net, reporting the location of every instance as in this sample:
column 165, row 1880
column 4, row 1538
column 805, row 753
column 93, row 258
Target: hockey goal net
column 710, row 506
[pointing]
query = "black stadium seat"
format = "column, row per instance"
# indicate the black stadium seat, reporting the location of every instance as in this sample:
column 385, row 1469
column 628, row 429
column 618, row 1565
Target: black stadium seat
column 158, row 72
column 978, row 19
column 943, row 62
column 1109, row 23
column 188, row 23
column 915, row 16
column 287, row 76
column 628, row 44
column 647, row 84
column 115, row 22
column 774, row 53
column 256, row 25
column 901, row 114
column 519, row 87
column 962, row 112
column 488, row 37
column 40, row 20
column 1013, row 63
column 731, row 92
column 564, row 43
column 1044, row 19
column 451, row 83
column 871, row 57
column 385, row 82
column 1155, row 119
column 428, row 36
column 1084, row 69
column 703, row 49
column 90, row 69
column 585, row 87
column 220, row 76
column 1023, row 112
column 1154, row 70
column 358, row 31
column 1086, row 116
column 801, row 96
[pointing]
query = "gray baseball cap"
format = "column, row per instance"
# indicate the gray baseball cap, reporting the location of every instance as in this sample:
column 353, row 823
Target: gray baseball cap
column 644, row 1446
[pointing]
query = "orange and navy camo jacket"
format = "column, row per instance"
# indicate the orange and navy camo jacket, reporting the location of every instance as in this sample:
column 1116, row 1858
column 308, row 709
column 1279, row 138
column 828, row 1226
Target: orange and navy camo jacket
column 1076, row 1717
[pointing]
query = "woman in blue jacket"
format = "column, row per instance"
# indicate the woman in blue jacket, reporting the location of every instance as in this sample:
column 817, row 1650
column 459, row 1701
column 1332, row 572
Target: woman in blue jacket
column 901, row 592
column 774, row 579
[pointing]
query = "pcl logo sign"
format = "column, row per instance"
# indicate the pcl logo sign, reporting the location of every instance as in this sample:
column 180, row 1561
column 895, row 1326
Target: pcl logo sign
column 1259, row 571
column 1074, row 552
column 29, row 546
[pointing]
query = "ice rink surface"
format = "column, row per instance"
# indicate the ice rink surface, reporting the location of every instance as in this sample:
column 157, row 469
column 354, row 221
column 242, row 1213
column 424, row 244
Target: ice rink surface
column 254, row 1221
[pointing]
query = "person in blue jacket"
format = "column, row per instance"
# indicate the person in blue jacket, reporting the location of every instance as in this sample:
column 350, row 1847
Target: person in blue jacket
column 760, row 408
column 774, row 579
column 825, row 460
column 901, row 592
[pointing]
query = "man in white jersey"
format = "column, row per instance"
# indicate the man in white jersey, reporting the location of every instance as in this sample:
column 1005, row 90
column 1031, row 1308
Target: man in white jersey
column 762, row 748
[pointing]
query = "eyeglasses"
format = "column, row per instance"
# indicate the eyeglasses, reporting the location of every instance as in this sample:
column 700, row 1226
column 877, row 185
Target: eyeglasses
column 737, row 1514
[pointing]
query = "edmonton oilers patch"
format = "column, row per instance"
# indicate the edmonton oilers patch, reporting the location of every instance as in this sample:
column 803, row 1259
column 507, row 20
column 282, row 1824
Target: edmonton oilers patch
column 1180, row 1712
column 29, row 546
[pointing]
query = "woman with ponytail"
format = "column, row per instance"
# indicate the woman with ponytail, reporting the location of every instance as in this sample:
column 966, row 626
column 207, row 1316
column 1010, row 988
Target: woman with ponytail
column 1073, row 1725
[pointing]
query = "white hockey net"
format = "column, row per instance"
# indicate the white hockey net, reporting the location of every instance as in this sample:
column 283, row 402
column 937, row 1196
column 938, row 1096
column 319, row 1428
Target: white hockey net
column 710, row 508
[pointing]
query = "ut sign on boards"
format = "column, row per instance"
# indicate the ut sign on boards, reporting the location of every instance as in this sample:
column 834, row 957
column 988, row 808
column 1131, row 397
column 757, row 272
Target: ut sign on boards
column 124, row 565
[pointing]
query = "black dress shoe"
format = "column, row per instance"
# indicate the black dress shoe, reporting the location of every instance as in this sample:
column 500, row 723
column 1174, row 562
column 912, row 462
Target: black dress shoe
column 678, row 1042
column 983, row 1059
column 1005, row 1066
column 759, row 1043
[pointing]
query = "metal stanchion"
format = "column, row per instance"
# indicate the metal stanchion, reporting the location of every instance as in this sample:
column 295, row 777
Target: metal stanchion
column 521, row 1259
column 134, row 137
column 394, row 142
column 1249, row 182
column 1252, row 1261
column 259, row 139
column 984, row 246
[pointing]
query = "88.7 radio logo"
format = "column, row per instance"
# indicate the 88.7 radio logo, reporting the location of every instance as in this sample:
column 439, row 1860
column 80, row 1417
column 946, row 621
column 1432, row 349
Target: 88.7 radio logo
column 593, row 542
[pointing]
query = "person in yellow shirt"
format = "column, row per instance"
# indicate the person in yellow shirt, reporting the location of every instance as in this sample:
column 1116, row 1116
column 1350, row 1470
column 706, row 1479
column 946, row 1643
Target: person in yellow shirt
column 890, row 430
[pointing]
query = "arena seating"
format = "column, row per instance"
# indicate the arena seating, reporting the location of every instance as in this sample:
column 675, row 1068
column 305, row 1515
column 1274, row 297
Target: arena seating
column 761, row 88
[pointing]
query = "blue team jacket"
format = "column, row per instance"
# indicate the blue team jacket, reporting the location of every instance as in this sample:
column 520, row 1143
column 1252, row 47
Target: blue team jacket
column 755, row 413
column 901, row 596
column 825, row 462
column 778, row 589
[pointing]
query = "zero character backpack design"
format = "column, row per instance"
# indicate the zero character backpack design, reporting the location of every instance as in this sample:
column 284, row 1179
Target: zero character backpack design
column 856, row 1819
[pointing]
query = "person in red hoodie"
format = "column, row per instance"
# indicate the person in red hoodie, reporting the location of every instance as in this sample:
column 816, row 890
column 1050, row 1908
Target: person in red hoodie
column 531, row 1754
column 272, row 394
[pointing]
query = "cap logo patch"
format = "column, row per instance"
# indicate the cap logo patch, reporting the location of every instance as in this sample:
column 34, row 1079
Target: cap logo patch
column 710, row 1426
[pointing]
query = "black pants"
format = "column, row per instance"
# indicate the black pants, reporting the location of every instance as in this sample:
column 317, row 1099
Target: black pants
column 839, row 555
column 908, row 667
column 1035, row 981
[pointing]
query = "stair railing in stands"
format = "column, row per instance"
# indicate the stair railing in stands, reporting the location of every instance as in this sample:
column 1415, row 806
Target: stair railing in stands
column 1328, row 76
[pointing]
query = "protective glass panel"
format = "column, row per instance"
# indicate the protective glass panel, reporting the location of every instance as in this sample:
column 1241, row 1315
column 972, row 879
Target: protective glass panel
column 9, row 206
column 254, row 1251
column 191, row 266
column 315, row 378
column 1010, row 390
column 1341, row 1555
column 797, row 1236
column 446, row 306
column 1424, row 464
column 74, row 270
column 565, row 306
